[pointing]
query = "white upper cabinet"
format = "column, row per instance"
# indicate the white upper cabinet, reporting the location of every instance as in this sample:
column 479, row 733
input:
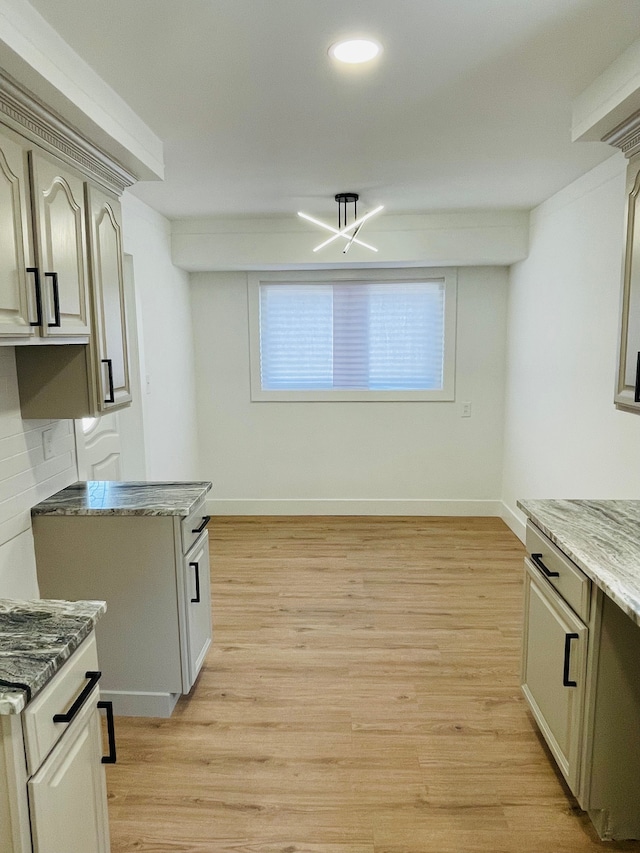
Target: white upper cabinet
column 62, row 302
column 44, row 290
column 78, row 380
column 18, row 278
column 60, row 231
column 107, row 282
column 628, row 378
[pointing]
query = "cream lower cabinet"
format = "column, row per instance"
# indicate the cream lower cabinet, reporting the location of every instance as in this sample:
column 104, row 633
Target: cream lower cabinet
column 554, row 670
column 52, row 782
column 196, row 573
column 153, row 572
column 581, row 680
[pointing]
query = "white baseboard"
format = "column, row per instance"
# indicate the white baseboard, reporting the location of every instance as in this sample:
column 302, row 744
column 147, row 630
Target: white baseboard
column 516, row 524
column 127, row 704
column 242, row 506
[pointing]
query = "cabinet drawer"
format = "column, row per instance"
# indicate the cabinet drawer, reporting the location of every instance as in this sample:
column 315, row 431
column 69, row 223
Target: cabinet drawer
column 40, row 731
column 192, row 527
column 572, row 584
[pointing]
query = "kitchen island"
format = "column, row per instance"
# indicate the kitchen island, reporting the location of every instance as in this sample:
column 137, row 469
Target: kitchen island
column 143, row 547
column 581, row 650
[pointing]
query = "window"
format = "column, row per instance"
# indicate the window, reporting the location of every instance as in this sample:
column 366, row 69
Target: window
column 338, row 336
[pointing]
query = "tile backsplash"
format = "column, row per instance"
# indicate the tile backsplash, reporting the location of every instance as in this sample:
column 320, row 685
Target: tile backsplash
column 26, row 478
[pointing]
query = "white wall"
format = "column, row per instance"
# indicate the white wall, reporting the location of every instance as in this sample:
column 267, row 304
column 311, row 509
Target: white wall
column 563, row 436
column 162, row 305
column 166, row 349
column 350, row 457
column 25, row 478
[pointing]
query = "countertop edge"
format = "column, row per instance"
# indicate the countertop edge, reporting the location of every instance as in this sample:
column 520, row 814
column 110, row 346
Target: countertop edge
column 614, row 588
column 13, row 699
column 150, row 507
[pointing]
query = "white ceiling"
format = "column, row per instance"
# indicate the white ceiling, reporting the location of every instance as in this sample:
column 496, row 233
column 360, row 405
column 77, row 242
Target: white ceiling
column 469, row 106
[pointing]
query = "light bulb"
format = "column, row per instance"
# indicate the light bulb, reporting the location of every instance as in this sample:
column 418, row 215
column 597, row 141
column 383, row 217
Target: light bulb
column 355, row 51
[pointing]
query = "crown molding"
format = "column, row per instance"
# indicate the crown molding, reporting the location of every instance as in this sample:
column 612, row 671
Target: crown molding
column 25, row 114
column 626, row 136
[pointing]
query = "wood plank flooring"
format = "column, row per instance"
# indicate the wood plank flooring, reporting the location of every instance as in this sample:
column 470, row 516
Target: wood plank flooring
column 361, row 696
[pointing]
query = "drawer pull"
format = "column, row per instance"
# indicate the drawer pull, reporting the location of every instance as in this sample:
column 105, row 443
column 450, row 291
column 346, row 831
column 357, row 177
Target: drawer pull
column 93, row 678
column 566, row 681
column 56, row 298
column 111, row 732
column 205, row 520
column 537, row 559
column 196, row 566
column 636, row 395
column 38, row 291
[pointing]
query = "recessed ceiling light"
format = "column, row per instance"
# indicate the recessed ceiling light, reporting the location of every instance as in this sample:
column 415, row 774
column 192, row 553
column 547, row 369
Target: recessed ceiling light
column 354, row 51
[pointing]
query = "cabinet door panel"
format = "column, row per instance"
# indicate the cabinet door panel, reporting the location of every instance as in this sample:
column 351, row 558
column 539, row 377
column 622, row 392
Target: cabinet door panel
column 67, row 796
column 629, row 347
column 58, row 198
column 558, row 708
column 197, row 596
column 107, row 280
column 15, row 250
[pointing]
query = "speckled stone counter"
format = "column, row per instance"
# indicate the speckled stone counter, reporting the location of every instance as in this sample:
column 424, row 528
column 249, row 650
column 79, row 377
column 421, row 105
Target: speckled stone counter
column 36, row 638
column 601, row 537
column 101, row 497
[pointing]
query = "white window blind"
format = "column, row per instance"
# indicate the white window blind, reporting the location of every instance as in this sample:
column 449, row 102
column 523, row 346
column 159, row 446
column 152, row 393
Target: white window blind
column 378, row 336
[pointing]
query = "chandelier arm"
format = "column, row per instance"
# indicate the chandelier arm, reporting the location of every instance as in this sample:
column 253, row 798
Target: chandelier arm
column 351, row 241
column 334, row 230
column 358, row 242
column 344, row 232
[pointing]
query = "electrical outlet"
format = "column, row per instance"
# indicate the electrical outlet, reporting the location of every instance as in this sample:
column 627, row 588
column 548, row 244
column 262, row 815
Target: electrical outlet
column 466, row 409
column 47, row 443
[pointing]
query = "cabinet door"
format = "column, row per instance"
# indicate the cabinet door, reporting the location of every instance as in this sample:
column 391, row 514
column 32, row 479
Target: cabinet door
column 58, row 202
column 197, row 598
column 107, row 280
column 628, row 380
column 67, row 796
column 18, row 304
column 554, row 671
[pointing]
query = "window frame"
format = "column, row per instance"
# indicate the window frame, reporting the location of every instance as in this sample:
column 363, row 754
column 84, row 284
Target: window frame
column 363, row 276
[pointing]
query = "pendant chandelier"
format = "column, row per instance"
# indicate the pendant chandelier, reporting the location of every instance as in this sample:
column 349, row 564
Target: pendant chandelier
column 347, row 203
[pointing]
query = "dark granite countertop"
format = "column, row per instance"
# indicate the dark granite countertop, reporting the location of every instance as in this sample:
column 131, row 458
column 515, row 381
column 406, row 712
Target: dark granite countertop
column 104, row 497
column 36, row 638
column 601, row 537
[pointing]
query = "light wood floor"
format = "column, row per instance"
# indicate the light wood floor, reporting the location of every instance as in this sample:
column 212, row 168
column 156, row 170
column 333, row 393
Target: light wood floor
column 361, row 696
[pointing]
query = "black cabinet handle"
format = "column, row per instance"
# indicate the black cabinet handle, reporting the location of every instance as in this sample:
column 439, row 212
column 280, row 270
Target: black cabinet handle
column 205, row 520
column 111, row 733
column 567, row 660
column 109, row 362
column 636, row 396
column 93, row 679
column 196, row 600
column 38, row 290
column 537, row 559
column 56, row 298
